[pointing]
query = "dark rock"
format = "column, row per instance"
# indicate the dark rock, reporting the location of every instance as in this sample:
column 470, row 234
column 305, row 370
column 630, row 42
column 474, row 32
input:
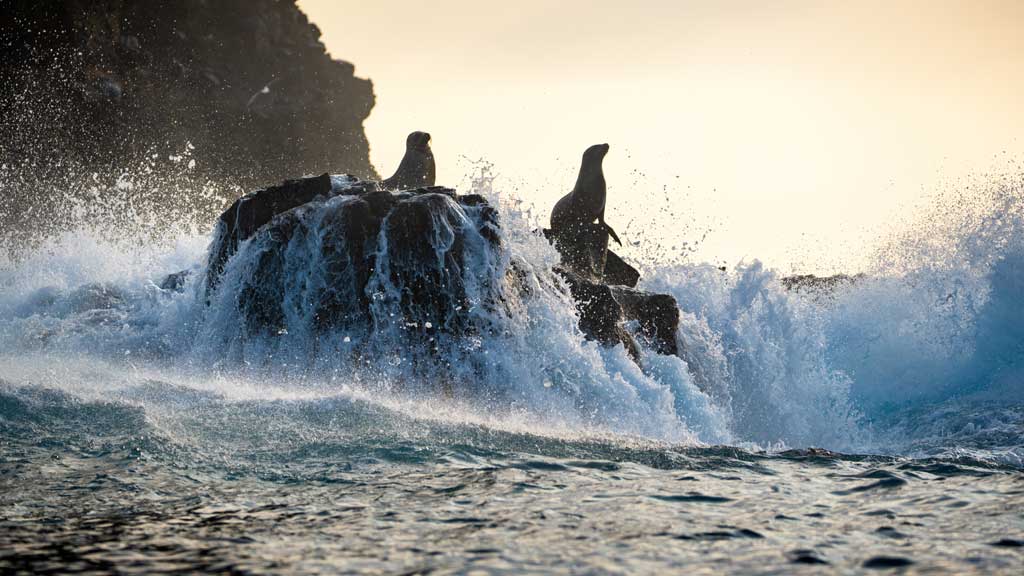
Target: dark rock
column 432, row 287
column 351, row 229
column 380, row 202
column 488, row 218
column 114, row 85
column 175, row 282
column 656, row 314
column 601, row 315
column 416, row 260
column 820, row 283
column 250, row 212
column 412, row 243
column 604, row 309
column 346, row 229
column 603, row 286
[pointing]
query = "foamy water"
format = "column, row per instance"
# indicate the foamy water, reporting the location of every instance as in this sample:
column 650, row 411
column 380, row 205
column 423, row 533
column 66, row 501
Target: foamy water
column 162, row 396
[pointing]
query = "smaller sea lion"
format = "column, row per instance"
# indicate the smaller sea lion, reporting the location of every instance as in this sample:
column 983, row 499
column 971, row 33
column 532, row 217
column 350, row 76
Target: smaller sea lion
column 417, row 167
column 579, row 208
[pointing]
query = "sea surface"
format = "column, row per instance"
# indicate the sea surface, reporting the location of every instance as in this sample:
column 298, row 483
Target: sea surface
column 871, row 425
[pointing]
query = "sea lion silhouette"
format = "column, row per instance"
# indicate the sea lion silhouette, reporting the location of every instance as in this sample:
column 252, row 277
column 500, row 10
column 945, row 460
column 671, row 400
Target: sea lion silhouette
column 585, row 203
column 417, row 167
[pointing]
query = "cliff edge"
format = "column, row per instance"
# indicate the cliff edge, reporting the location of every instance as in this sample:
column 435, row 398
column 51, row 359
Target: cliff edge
column 245, row 88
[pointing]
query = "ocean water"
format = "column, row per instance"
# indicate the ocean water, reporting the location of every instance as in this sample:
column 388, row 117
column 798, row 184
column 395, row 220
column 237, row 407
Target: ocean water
column 877, row 425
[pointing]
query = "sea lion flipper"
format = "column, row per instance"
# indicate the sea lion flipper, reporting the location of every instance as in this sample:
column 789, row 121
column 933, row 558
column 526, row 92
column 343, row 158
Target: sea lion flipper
column 612, row 233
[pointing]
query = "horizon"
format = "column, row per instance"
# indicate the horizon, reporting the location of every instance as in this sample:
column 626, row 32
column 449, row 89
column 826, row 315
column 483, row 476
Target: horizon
column 799, row 134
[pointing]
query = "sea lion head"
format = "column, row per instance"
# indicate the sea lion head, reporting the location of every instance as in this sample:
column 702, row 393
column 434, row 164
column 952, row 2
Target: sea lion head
column 595, row 154
column 419, row 141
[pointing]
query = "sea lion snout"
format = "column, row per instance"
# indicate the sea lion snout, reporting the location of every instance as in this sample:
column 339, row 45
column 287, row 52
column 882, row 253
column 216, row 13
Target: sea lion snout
column 595, row 153
column 418, row 141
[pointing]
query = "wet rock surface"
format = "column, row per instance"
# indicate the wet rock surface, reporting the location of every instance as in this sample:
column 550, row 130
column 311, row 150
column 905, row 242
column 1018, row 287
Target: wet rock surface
column 432, row 250
column 604, row 287
column 250, row 212
column 608, row 311
column 362, row 241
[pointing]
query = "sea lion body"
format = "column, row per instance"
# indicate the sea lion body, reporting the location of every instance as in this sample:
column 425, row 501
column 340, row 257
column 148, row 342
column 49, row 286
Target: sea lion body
column 416, row 170
column 578, row 209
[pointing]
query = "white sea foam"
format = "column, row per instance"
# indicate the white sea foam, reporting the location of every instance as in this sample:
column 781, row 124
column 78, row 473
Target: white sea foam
column 923, row 355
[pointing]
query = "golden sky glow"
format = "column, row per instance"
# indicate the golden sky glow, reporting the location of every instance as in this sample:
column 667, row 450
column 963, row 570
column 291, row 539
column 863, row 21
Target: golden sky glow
column 796, row 131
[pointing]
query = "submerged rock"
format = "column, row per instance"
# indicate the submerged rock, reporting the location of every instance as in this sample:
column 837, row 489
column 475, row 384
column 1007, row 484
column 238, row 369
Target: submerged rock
column 175, row 282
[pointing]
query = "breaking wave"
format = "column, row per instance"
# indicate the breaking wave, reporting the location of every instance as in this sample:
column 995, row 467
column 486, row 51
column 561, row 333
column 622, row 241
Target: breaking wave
column 921, row 356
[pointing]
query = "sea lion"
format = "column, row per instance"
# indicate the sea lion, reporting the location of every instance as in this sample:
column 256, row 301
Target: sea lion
column 579, row 208
column 417, row 167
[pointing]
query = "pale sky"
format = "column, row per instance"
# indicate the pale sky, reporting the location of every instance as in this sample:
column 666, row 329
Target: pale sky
column 795, row 131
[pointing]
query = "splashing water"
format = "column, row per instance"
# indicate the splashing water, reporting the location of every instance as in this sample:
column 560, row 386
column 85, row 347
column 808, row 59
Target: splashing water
column 864, row 368
column 171, row 406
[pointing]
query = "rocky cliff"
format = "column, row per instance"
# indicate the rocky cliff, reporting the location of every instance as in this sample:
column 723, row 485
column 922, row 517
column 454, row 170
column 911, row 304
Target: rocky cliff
column 243, row 90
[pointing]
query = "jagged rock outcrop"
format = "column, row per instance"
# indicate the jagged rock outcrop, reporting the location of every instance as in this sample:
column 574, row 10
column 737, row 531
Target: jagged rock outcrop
column 95, row 89
column 408, row 247
column 332, row 254
column 604, row 287
column 606, row 309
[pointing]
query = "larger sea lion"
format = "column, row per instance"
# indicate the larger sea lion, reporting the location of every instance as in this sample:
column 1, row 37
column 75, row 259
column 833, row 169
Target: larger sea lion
column 579, row 208
column 417, row 167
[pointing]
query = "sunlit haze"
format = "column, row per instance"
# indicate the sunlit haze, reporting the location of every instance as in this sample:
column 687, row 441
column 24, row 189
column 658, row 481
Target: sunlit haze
column 794, row 132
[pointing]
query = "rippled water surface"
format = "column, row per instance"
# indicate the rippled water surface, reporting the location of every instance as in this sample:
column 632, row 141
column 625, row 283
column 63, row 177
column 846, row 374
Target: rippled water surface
column 169, row 479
